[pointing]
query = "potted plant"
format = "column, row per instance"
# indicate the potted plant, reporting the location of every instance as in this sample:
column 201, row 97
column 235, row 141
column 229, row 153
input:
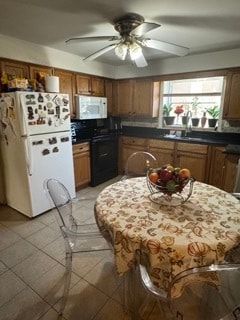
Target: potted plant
column 214, row 113
column 169, row 120
column 195, row 118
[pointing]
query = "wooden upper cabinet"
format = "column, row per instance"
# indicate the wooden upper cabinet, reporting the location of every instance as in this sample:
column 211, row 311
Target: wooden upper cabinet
column 124, row 97
column 83, row 84
column 90, row 85
column 110, row 94
column 146, row 95
column 67, row 85
column 98, row 86
column 231, row 110
column 16, row 69
column 138, row 97
column 36, row 70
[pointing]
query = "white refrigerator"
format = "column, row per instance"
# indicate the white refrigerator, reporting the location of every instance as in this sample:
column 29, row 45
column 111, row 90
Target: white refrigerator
column 36, row 145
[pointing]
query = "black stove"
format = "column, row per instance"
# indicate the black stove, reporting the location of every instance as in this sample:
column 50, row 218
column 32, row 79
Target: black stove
column 103, row 148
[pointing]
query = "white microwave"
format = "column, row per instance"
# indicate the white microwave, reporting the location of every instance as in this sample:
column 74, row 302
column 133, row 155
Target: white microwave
column 89, row 107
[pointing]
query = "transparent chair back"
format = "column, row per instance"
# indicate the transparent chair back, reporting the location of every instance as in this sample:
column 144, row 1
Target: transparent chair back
column 138, row 163
column 78, row 238
column 208, row 292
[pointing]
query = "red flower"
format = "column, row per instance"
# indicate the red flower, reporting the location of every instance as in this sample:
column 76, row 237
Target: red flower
column 179, row 109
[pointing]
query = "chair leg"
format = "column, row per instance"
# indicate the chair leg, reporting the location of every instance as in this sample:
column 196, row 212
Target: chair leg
column 67, row 281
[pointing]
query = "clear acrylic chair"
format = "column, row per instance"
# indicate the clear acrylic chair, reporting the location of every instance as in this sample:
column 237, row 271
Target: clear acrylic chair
column 77, row 237
column 138, row 163
column 209, row 292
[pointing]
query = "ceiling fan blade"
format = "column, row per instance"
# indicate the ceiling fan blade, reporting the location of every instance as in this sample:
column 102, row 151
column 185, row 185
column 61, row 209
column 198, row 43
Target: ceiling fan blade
column 100, row 38
column 165, row 46
column 141, row 61
column 144, row 28
column 100, row 52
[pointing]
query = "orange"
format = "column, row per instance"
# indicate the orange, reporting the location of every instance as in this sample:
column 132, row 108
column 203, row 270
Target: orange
column 153, row 177
column 184, row 173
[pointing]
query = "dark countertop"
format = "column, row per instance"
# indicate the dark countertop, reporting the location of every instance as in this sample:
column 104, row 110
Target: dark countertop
column 199, row 137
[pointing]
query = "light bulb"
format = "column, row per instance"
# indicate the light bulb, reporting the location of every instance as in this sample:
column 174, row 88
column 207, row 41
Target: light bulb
column 135, row 51
column 121, row 51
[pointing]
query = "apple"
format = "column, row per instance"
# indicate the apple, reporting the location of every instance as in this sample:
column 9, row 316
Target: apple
column 165, row 175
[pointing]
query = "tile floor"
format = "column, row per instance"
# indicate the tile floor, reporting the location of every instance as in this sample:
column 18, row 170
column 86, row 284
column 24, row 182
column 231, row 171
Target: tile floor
column 32, row 269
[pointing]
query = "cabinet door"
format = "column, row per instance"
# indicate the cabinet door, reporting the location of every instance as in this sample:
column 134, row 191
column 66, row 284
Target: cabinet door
column 97, row 87
column 232, row 97
column 195, row 158
column 90, row 85
column 124, row 97
column 130, row 145
column 231, row 163
column 217, row 169
column 36, row 70
column 83, row 84
column 18, row 70
column 66, row 85
column 109, row 91
column 146, row 98
column 81, row 162
column 162, row 150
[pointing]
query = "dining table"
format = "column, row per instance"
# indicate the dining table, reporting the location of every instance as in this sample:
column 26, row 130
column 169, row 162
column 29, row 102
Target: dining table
column 175, row 236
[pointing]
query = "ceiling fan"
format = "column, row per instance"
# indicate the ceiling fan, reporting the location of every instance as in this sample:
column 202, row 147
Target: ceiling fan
column 131, row 28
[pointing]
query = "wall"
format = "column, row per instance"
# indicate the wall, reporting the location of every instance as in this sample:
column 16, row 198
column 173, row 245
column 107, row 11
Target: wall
column 207, row 61
column 21, row 50
column 16, row 49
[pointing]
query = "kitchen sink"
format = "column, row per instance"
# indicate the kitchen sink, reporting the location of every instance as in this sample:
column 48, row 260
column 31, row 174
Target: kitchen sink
column 191, row 139
column 183, row 138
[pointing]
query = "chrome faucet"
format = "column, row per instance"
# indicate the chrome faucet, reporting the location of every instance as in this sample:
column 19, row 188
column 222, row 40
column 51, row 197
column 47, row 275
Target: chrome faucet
column 188, row 124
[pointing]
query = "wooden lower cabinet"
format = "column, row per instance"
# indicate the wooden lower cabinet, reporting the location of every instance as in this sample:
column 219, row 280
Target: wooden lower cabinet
column 223, row 169
column 81, row 162
column 195, row 157
column 130, row 145
column 162, row 150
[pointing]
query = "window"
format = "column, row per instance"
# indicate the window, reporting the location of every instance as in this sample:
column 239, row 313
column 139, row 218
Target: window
column 200, row 98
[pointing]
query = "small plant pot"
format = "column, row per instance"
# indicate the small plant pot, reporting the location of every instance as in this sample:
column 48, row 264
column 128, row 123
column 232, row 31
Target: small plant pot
column 169, row 120
column 184, row 120
column 195, row 122
column 212, row 123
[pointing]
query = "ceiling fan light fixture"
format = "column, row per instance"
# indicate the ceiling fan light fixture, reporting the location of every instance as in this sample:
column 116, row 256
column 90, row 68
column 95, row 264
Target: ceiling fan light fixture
column 121, row 51
column 135, row 51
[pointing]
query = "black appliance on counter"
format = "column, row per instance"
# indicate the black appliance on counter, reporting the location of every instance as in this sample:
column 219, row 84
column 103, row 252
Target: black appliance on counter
column 103, row 142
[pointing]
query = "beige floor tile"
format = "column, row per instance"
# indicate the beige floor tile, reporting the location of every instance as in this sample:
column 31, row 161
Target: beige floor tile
column 34, row 267
column 112, row 310
column 43, row 237
column 3, row 268
column 46, row 218
column 50, row 285
column 26, row 305
column 10, row 285
column 24, row 228
column 17, row 252
column 7, row 237
column 52, row 315
column 84, row 302
column 56, row 249
column 84, row 262
column 104, row 277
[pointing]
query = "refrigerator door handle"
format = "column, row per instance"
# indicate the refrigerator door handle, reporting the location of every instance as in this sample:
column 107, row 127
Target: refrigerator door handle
column 27, row 144
column 28, row 153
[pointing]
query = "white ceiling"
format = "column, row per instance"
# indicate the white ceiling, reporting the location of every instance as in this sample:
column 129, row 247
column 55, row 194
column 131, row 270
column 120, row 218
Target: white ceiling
column 202, row 26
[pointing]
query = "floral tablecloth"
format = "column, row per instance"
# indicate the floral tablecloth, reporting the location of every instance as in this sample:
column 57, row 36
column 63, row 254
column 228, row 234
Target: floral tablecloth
column 197, row 232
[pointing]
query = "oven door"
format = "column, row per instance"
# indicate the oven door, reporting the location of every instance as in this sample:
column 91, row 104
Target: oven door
column 104, row 159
